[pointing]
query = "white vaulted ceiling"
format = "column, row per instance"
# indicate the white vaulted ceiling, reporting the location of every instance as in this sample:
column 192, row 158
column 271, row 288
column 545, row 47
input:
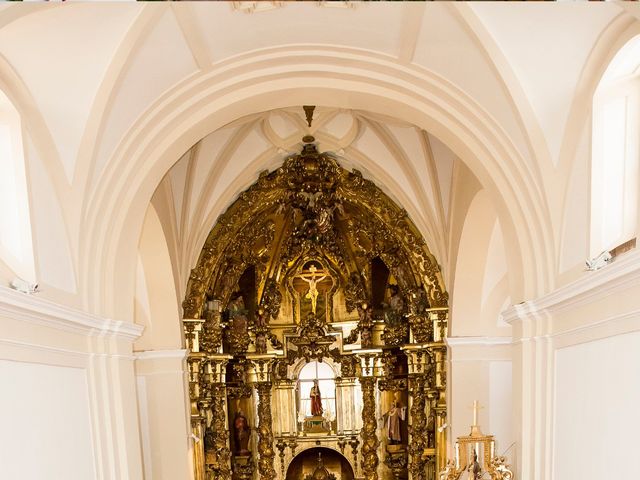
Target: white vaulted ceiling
column 192, row 100
column 400, row 156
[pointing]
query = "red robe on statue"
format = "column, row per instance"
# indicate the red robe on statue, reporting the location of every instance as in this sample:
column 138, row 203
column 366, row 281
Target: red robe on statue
column 316, row 401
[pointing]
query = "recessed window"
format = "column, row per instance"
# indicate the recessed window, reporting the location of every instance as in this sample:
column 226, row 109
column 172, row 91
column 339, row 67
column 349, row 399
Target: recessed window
column 615, row 152
column 325, row 376
column 16, row 248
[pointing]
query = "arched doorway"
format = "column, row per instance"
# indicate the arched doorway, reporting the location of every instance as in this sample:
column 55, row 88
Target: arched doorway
column 318, row 463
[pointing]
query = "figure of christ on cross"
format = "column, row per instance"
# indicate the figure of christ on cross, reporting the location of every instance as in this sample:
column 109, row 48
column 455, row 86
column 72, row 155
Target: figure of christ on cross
column 313, row 278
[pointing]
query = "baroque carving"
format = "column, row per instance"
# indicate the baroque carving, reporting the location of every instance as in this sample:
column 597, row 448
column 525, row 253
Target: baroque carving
column 418, row 424
column 265, row 432
column 370, row 440
column 311, row 221
column 319, row 204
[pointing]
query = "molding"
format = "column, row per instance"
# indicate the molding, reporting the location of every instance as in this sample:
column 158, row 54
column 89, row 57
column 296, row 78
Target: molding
column 37, row 347
column 624, row 272
column 37, row 311
column 629, row 316
column 159, row 354
column 478, row 341
column 42, row 348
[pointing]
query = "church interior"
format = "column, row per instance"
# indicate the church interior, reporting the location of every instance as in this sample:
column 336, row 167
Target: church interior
column 267, row 240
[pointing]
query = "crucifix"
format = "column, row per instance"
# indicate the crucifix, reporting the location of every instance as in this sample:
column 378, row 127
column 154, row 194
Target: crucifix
column 312, row 278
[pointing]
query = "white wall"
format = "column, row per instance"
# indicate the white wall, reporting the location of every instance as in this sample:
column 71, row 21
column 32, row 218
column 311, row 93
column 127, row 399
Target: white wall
column 576, row 371
column 68, row 401
column 480, row 369
column 597, row 408
column 164, row 414
column 44, row 411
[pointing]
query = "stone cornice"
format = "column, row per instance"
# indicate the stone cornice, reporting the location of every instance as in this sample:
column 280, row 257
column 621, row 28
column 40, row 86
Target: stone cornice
column 160, row 354
column 477, row 341
column 32, row 309
column 623, row 272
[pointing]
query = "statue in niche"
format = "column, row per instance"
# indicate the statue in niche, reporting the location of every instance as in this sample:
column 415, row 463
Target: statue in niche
column 394, row 309
column 395, row 415
column 365, row 325
column 238, row 314
column 316, row 400
column 241, row 434
column 261, row 343
column 239, row 331
column 395, row 329
column 261, row 331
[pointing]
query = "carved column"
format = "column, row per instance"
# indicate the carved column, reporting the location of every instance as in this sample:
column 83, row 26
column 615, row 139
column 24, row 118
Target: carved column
column 217, row 453
column 370, row 440
column 260, row 376
column 419, row 368
column 219, row 423
column 265, row 433
column 369, row 369
column 417, row 428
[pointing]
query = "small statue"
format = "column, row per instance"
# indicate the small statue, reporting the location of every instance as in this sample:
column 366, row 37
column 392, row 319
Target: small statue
column 238, row 314
column 394, row 309
column 261, row 343
column 474, row 468
column 395, row 415
column 316, row 400
column 241, row 434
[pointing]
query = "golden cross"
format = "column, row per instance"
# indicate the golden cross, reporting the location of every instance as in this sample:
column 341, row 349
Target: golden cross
column 476, row 407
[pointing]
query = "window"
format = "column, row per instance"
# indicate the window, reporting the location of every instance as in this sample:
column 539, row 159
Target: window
column 615, row 152
column 16, row 249
column 323, row 373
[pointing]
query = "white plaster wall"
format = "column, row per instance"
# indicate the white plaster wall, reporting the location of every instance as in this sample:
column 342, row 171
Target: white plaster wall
column 576, row 366
column 480, row 369
column 44, row 413
column 163, row 408
column 67, row 407
column 596, row 415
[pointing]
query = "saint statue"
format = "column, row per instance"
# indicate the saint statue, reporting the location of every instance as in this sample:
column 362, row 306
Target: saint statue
column 238, row 314
column 395, row 415
column 239, row 328
column 316, row 400
column 394, row 309
column 474, row 469
column 241, row 434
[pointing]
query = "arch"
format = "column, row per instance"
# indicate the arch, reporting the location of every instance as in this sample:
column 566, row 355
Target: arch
column 156, row 300
column 257, row 82
column 301, row 363
column 311, row 450
column 479, row 275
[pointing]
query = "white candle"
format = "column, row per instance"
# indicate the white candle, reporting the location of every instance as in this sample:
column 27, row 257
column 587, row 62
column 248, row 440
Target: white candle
column 493, row 444
column 457, row 455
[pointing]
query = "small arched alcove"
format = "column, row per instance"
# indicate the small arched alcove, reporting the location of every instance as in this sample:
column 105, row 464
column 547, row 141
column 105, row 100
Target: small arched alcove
column 319, row 463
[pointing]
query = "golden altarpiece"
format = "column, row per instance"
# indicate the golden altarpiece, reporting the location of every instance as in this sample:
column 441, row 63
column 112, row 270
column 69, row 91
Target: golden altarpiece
column 315, row 321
